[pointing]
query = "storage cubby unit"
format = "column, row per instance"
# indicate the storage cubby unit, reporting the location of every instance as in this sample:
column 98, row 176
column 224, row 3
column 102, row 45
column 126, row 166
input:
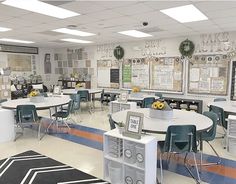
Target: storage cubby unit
column 116, row 106
column 133, row 160
column 231, row 134
column 185, row 104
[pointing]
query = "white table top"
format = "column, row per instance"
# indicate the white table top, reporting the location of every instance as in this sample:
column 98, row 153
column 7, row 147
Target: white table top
column 46, row 104
column 228, row 106
column 74, row 91
column 180, row 117
column 132, row 97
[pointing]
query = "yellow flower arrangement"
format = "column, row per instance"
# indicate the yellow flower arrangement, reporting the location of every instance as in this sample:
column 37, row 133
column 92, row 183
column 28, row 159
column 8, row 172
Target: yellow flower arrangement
column 136, row 89
column 34, row 93
column 158, row 105
column 78, row 85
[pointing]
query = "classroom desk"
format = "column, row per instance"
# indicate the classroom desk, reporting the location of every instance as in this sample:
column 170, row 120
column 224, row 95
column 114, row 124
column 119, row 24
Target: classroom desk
column 48, row 102
column 227, row 106
column 160, row 126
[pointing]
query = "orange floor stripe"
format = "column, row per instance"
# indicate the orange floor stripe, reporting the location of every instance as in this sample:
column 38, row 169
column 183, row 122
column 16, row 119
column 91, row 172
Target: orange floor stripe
column 87, row 135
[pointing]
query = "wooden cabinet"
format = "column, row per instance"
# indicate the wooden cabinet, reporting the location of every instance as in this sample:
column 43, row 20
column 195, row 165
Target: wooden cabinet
column 128, row 160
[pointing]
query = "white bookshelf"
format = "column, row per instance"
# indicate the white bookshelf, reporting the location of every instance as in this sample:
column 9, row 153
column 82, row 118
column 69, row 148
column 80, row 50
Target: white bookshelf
column 116, row 106
column 129, row 161
column 231, row 134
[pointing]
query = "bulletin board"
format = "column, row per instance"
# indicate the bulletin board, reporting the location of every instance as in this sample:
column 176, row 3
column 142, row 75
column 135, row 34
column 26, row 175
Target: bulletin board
column 108, row 74
column 135, row 72
column 208, row 74
column 166, row 74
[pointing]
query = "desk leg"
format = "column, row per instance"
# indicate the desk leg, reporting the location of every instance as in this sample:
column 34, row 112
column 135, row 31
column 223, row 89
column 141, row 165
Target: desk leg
column 201, row 149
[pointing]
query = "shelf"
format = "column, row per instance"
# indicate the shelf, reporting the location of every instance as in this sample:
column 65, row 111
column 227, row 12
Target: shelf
column 134, row 166
column 119, row 159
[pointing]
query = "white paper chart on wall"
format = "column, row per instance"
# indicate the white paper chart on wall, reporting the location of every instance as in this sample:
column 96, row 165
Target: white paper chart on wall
column 208, row 74
column 108, row 73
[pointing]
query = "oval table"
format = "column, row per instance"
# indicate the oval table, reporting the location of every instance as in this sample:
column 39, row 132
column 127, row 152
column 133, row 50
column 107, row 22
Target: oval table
column 227, row 106
column 47, row 103
column 160, row 126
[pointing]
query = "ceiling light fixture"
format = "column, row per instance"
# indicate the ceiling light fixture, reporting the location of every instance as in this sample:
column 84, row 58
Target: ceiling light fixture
column 184, row 14
column 3, row 29
column 16, row 41
column 75, row 40
column 73, row 32
column 135, row 33
column 41, row 7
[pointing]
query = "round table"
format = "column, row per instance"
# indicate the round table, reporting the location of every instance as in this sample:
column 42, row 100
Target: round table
column 227, row 106
column 180, row 117
column 74, row 91
column 47, row 103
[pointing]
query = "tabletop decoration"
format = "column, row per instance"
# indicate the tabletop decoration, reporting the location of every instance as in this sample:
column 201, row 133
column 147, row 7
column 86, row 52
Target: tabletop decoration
column 136, row 92
column 161, row 110
column 36, row 96
column 78, row 85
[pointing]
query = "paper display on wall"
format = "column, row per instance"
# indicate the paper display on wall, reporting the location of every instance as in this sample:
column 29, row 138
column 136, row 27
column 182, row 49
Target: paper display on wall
column 166, row 74
column 208, row 77
column 107, row 74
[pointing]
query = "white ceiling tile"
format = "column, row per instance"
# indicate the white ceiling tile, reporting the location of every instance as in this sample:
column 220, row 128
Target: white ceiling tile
column 105, row 14
column 159, row 5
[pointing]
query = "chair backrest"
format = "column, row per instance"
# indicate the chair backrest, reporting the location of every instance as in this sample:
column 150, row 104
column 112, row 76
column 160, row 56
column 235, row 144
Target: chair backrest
column 26, row 114
column 84, row 95
column 159, row 94
column 76, row 101
column 221, row 115
column 147, row 102
column 181, row 138
column 219, row 99
column 112, row 123
column 210, row 134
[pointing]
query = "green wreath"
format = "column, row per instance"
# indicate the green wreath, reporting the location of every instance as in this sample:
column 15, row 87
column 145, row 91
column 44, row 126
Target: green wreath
column 186, row 48
column 119, row 52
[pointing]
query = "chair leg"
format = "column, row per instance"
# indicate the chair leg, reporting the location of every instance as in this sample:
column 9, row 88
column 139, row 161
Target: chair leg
column 198, row 180
column 161, row 168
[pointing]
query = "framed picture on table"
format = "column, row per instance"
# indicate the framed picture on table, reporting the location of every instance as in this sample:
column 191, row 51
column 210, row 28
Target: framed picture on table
column 133, row 125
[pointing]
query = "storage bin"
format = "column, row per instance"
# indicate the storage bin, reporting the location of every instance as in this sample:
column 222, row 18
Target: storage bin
column 129, row 152
column 130, row 175
column 115, row 172
column 140, row 177
column 140, row 155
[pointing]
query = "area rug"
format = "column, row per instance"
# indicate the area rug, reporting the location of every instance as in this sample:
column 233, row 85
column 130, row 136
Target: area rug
column 33, row 168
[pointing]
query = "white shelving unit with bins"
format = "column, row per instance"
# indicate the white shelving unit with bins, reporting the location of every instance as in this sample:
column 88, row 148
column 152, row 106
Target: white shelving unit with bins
column 116, row 106
column 231, row 134
column 128, row 160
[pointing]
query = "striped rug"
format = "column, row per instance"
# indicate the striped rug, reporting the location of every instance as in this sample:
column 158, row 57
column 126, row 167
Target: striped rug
column 33, row 168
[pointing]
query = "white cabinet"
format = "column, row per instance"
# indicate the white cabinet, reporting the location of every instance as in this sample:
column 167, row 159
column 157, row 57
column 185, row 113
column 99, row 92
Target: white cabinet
column 231, row 134
column 116, row 106
column 129, row 161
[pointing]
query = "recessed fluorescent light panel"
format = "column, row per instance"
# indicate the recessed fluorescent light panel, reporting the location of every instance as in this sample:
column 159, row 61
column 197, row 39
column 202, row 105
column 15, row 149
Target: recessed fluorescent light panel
column 135, row 33
column 76, row 40
column 3, row 29
column 183, row 14
column 41, row 7
column 14, row 40
column 73, row 32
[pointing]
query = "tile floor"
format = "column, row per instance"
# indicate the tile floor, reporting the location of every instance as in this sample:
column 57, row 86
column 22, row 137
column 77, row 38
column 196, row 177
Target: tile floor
column 82, row 157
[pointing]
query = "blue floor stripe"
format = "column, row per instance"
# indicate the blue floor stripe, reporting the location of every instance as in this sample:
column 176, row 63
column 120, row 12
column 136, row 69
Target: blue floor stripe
column 88, row 129
column 81, row 140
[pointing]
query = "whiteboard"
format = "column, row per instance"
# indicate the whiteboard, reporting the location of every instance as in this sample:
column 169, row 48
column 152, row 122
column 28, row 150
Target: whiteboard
column 208, row 74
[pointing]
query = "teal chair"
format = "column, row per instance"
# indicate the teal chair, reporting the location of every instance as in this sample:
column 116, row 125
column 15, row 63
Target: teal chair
column 62, row 115
column 159, row 94
column 180, row 139
column 147, row 102
column 26, row 116
column 209, row 135
column 219, row 99
column 76, row 103
column 85, row 97
column 221, row 116
column 112, row 123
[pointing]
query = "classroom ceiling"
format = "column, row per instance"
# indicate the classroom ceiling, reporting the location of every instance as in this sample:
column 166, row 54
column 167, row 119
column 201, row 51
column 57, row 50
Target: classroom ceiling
column 106, row 18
